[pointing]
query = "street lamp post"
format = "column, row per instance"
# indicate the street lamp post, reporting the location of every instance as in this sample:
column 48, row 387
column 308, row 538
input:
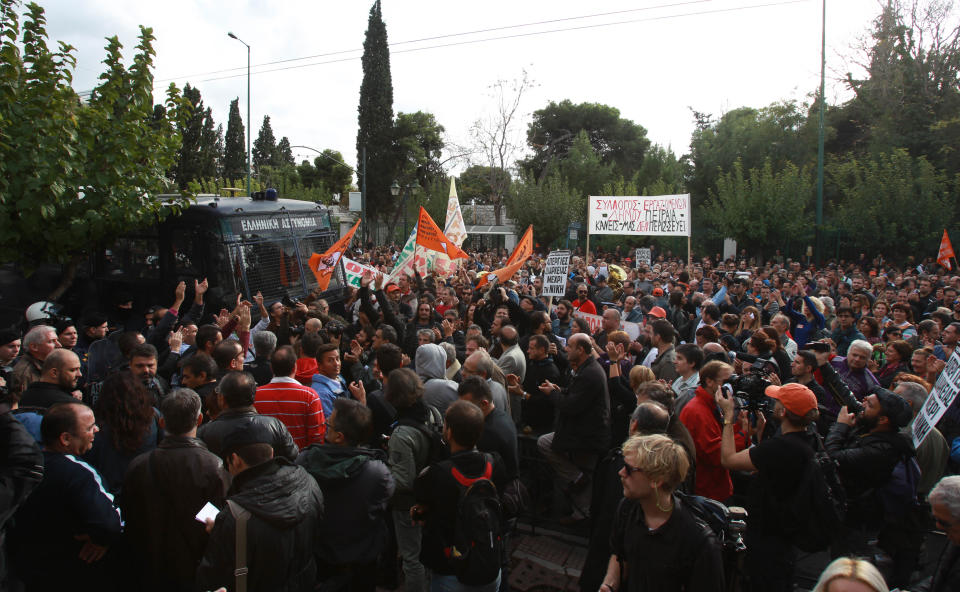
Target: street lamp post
column 249, row 122
column 407, row 190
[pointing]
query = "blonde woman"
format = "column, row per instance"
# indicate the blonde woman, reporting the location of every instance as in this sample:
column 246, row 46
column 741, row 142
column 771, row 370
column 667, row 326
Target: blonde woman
column 851, row 575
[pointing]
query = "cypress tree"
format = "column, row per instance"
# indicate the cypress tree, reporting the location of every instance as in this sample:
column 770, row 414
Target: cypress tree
column 264, row 147
column 375, row 117
column 188, row 157
column 234, row 154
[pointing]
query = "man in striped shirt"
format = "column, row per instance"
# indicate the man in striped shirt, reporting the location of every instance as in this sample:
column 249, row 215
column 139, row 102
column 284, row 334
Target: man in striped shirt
column 297, row 406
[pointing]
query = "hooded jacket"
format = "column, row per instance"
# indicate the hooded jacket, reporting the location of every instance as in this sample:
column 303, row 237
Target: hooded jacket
column 357, row 482
column 306, row 368
column 285, row 504
column 431, row 363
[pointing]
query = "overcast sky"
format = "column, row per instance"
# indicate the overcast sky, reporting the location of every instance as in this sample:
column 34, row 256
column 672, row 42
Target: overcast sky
column 651, row 59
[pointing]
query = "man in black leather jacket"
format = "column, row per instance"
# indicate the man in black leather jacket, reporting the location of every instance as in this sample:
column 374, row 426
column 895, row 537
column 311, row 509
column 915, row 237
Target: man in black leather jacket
column 237, row 393
column 163, row 490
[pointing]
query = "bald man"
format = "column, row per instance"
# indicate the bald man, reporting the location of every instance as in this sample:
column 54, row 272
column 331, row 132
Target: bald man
column 512, row 361
column 583, row 424
column 58, row 381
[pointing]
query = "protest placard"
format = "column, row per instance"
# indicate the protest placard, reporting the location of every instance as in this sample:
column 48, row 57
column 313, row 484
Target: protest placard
column 941, row 397
column 643, row 257
column 661, row 215
column 555, row 273
column 595, row 322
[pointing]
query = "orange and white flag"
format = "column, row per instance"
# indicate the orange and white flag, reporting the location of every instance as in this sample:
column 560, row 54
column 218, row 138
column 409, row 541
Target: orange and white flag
column 946, row 251
column 520, row 254
column 429, row 236
column 324, row 265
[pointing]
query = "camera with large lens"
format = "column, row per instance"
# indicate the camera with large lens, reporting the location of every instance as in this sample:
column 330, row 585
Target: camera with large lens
column 749, row 387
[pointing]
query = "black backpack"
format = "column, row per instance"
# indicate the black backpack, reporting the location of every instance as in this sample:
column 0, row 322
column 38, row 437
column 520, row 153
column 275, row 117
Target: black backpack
column 475, row 553
column 433, row 430
column 812, row 516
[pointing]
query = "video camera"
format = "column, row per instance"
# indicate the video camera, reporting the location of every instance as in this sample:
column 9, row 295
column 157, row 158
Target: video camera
column 749, row 387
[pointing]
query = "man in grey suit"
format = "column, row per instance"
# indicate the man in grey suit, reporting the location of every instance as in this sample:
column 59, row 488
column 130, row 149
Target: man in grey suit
column 512, row 361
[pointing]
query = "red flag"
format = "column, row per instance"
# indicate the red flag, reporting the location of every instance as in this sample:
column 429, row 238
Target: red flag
column 946, row 251
column 520, row 254
column 429, row 236
column 324, row 265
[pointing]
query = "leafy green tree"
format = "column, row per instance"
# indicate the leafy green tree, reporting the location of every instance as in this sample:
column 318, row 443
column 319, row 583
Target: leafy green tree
column 375, row 117
column 75, row 175
column 309, row 176
column 583, row 170
column 910, row 97
column 284, row 153
column 234, row 146
column 618, row 142
column 550, row 206
column 892, row 203
column 764, row 208
column 475, row 183
column 662, row 173
column 418, row 143
column 776, row 133
column 336, row 176
column 264, row 147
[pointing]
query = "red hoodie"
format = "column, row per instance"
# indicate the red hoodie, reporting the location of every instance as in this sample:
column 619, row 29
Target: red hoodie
column 306, row 368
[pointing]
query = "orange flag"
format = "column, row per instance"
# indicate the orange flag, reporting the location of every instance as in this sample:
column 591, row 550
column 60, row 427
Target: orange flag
column 946, row 251
column 520, row 254
column 429, row 236
column 324, row 265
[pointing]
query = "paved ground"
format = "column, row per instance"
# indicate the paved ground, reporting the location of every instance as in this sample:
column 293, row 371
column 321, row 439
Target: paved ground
column 548, row 559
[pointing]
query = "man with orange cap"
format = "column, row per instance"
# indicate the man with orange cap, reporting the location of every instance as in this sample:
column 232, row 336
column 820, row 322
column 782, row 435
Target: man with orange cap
column 779, row 463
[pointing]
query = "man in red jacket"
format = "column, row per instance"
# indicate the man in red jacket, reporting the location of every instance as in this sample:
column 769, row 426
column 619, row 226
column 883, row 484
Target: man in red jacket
column 702, row 418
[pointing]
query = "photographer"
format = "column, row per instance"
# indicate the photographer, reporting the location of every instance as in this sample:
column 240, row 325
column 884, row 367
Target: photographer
column 867, row 446
column 779, row 463
column 700, row 418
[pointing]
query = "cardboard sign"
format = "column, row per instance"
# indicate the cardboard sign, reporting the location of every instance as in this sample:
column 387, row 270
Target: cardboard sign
column 662, row 215
column 642, row 257
column 941, row 397
column 596, row 323
column 555, row 273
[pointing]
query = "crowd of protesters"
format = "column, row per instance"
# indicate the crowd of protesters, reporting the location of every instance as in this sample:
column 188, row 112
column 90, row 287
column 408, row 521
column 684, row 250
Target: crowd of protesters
column 295, row 445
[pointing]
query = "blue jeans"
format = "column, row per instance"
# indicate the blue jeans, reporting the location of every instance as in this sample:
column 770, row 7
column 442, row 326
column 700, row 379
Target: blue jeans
column 440, row 583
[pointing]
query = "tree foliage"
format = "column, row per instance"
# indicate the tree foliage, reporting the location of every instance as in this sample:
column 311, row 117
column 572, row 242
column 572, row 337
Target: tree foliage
column 417, row 143
column 283, row 155
column 763, row 208
column 892, row 200
column 375, row 117
column 264, row 147
column 74, row 175
column 234, row 146
column 550, row 205
column 333, row 173
column 551, row 134
column 198, row 155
